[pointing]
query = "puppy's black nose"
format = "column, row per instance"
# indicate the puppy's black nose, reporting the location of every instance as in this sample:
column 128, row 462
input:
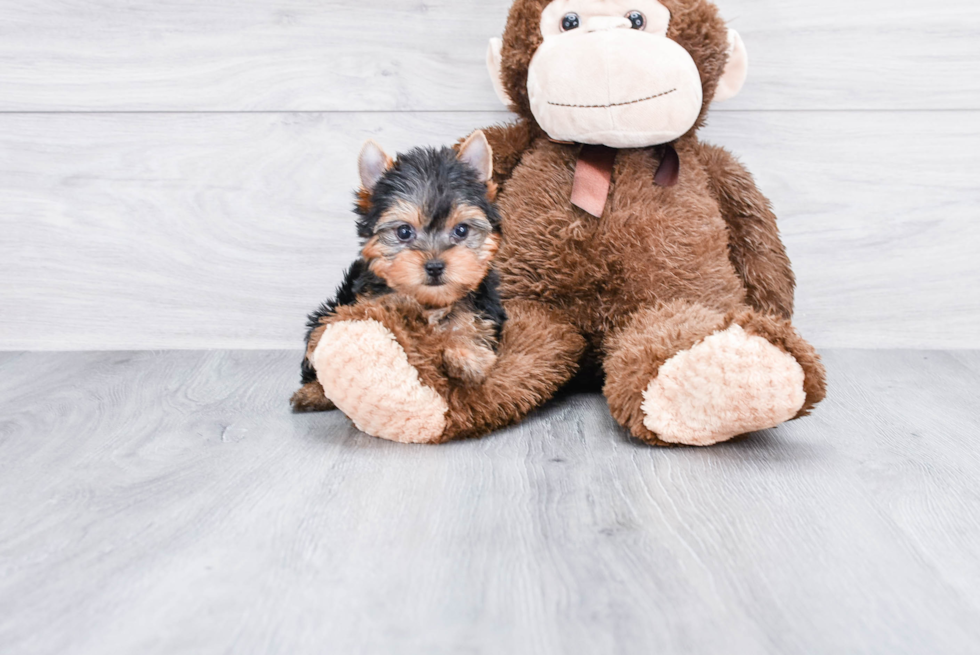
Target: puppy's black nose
column 435, row 267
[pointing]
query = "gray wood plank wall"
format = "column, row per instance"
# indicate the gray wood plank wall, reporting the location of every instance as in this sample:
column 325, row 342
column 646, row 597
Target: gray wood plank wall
column 178, row 174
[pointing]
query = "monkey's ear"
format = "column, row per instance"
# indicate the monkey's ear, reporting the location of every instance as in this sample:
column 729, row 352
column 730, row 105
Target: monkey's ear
column 494, row 63
column 736, row 70
column 372, row 164
column 478, row 155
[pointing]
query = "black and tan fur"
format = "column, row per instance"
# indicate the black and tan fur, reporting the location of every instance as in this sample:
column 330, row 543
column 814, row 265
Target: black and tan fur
column 429, row 232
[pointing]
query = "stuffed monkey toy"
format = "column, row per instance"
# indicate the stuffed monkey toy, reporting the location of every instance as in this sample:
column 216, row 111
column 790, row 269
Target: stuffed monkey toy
column 631, row 250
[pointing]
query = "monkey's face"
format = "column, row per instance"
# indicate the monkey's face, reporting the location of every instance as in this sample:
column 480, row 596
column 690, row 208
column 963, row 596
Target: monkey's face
column 436, row 260
column 608, row 72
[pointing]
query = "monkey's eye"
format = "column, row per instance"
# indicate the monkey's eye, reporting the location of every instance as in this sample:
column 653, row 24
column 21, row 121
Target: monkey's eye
column 462, row 231
column 637, row 19
column 405, row 232
column 569, row 22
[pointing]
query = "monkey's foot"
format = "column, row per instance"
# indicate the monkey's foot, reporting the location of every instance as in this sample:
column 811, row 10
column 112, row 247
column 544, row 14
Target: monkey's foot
column 729, row 384
column 366, row 373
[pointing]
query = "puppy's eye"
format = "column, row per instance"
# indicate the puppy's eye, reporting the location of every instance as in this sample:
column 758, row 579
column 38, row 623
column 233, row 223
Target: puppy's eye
column 405, row 232
column 569, row 22
column 462, row 231
column 637, row 19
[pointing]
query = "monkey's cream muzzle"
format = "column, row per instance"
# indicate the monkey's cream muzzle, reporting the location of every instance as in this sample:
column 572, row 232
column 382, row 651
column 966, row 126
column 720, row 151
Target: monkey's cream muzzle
column 613, row 86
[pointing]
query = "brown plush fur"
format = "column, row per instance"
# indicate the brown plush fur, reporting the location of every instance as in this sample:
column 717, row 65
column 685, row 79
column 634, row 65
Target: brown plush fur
column 754, row 246
column 663, row 268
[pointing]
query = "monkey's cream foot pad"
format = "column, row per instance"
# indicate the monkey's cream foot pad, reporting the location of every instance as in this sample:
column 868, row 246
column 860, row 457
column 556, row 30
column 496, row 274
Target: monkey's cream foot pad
column 729, row 384
column 366, row 373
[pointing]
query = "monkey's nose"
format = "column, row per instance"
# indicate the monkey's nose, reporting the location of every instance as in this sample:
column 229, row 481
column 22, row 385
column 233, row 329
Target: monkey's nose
column 602, row 23
column 435, row 267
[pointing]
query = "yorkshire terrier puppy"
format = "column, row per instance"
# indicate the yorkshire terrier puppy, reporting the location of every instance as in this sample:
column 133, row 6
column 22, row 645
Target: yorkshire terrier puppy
column 429, row 231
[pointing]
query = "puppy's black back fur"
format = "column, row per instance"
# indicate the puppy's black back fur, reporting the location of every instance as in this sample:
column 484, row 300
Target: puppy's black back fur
column 358, row 281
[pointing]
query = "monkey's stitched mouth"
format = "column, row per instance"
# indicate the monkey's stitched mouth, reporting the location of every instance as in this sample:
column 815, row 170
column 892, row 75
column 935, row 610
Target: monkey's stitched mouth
column 615, row 104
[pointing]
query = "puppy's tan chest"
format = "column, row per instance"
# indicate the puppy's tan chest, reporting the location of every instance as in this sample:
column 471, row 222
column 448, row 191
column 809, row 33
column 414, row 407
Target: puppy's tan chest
column 438, row 318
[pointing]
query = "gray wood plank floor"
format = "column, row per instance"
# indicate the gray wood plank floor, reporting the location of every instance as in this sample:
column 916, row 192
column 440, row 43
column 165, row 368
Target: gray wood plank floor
column 168, row 502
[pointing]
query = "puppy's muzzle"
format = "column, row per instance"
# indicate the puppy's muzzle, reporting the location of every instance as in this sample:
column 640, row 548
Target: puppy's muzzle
column 434, row 268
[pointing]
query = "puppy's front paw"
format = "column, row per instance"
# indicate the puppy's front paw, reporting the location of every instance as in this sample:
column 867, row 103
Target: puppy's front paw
column 469, row 364
column 310, row 398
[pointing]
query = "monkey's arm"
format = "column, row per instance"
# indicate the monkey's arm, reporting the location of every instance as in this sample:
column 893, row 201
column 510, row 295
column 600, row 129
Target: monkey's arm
column 509, row 141
column 539, row 351
column 755, row 249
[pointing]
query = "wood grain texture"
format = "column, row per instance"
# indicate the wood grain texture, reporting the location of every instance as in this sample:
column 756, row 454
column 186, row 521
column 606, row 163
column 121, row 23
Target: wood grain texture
column 213, row 230
column 879, row 215
column 169, row 503
column 348, row 55
column 183, row 230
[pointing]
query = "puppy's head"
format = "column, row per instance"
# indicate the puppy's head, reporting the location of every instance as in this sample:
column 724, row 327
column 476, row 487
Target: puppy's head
column 427, row 220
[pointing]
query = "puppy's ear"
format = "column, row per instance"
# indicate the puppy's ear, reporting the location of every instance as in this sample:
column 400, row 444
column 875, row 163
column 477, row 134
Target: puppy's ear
column 372, row 164
column 476, row 153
